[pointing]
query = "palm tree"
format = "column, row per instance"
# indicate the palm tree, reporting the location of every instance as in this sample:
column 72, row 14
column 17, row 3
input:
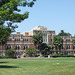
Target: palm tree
column 58, row 42
column 37, row 40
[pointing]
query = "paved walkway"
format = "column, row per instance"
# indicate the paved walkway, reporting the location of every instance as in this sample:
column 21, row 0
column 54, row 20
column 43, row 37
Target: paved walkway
column 31, row 57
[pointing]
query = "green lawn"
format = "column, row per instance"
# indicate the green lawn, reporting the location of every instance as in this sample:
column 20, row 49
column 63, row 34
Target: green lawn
column 42, row 66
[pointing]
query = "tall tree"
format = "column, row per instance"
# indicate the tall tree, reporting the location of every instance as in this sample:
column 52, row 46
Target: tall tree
column 37, row 39
column 4, row 33
column 58, row 42
column 45, row 49
column 9, row 16
column 62, row 33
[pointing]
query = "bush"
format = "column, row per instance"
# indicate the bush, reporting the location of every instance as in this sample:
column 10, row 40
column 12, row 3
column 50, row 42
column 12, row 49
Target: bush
column 45, row 55
column 6, row 57
column 60, row 55
column 36, row 55
column 10, row 53
column 30, row 52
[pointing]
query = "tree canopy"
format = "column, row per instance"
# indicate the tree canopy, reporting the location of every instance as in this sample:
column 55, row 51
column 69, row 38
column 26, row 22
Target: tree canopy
column 58, row 41
column 4, row 33
column 45, row 49
column 37, row 39
column 9, row 11
column 62, row 33
column 9, row 15
column 30, row 52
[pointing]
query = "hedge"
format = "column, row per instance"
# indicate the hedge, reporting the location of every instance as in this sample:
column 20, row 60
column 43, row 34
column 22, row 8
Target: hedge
column 7, row 57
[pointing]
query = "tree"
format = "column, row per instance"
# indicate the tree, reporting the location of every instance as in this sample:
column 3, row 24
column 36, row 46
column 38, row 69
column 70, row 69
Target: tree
column 62, row 33
column 9, row 16
column 74, row 43
column 52, row 46
column 45, row 49
column 58, row 42
column 37, row 39
column 10, row 53
column 30, row 52
column 3, row 38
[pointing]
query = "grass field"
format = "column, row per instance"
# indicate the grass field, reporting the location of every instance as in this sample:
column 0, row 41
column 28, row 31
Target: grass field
column 42, row 66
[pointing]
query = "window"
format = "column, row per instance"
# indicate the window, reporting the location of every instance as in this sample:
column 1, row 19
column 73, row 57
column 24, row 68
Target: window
column 21, row 36
column 67, row 40
column 26, row 39
column 43, row 40
column 9, row 39
column 17, row 47
column 67, row 46
column 17, row 39
column 73, row 46
column 51, row 40
column 51, row 35
column 62, row 47
column 13, row 36
column 24, row 47
column 8, row 47
column 44, row 34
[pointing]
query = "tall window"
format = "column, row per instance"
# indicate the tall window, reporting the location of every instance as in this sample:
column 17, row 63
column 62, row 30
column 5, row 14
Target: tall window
column 17, row 47
column 67, row 46
column 44, row 35
column 73, row 46
column 21, row 36
column 8, row 47
column 26, row 39
column 13, row 36
column 51, row 37
column 24, row 47
column 67, row 40
column 17, row 39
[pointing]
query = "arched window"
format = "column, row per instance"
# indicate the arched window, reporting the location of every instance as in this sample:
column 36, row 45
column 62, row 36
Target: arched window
column 25, row 46
column 8, row 47
column 17, row 47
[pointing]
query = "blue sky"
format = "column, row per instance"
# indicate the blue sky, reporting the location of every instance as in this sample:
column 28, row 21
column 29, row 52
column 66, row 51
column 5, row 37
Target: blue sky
column 54, row 14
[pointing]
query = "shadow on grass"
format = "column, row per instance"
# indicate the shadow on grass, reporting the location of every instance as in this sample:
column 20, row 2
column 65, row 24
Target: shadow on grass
column 5, row 66
column 3, row 62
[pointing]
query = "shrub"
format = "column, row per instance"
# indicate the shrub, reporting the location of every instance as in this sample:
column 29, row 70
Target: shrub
column 45, row 55
column 7, row 57
column 36, row 55
column 60, row 55
column 10, row 53
column 30, row 52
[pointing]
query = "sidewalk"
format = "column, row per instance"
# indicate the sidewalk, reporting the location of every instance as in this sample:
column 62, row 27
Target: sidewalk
column 31, row 57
